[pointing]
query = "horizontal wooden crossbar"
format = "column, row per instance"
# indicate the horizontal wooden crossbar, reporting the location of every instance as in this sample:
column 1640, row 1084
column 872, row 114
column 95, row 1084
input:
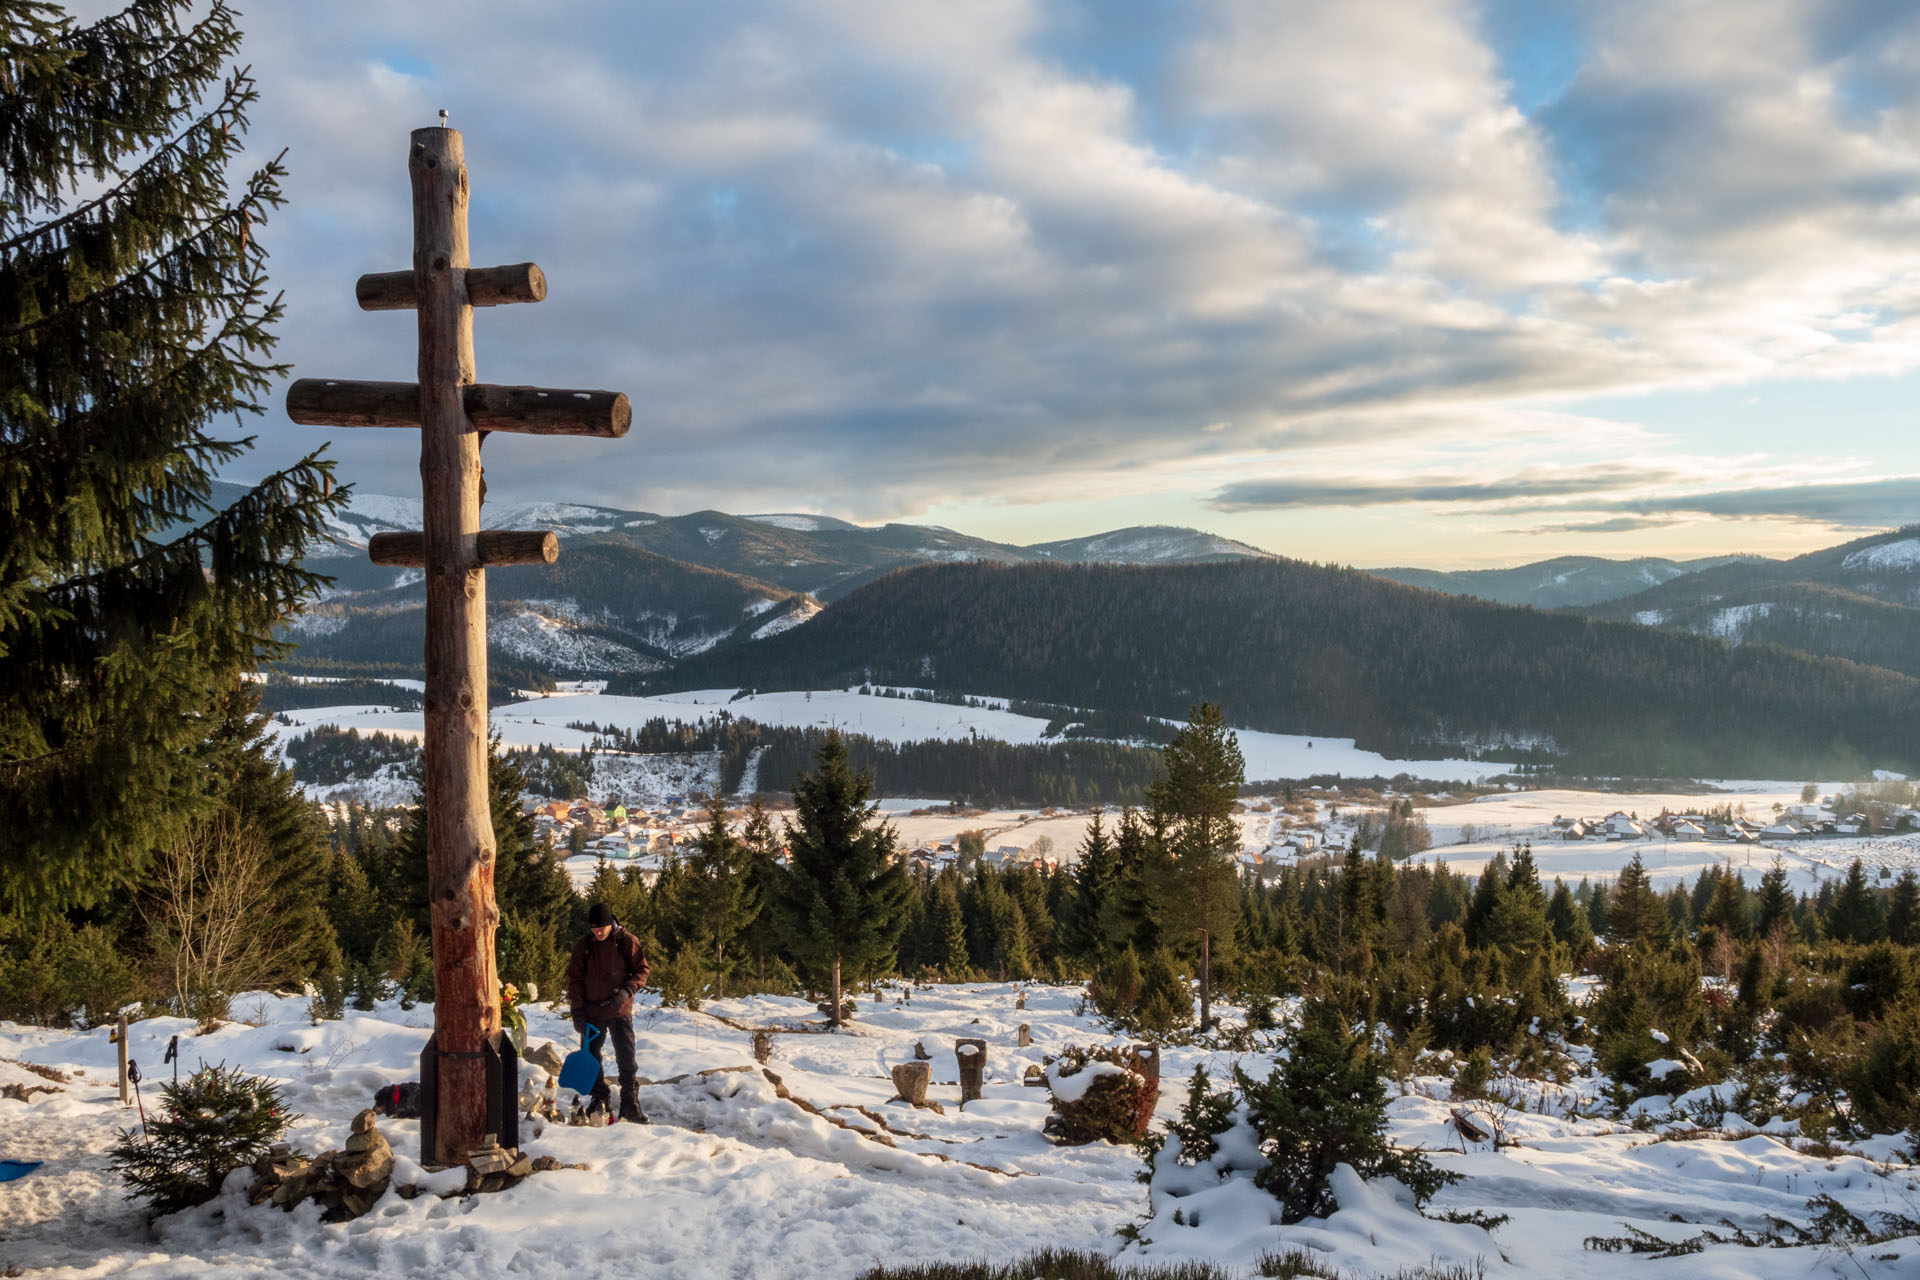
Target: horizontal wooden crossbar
column 496, row 547
column 540, row 411
column 486, row 287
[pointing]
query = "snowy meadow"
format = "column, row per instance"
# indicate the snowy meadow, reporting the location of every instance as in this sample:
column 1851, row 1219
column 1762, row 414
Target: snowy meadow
column 732, row 1179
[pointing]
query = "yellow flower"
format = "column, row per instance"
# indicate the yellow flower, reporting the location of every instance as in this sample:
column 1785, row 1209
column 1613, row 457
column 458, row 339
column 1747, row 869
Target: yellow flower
column 509, row 993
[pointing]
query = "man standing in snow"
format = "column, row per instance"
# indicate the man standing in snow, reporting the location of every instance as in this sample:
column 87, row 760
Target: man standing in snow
column 607, row 967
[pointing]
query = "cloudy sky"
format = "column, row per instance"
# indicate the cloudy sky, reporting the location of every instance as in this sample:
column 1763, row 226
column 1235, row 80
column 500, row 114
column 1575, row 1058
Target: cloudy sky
column 1375, row 281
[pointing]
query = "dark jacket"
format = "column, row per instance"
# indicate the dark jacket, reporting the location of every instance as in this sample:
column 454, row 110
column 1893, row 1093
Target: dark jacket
column 602, row 977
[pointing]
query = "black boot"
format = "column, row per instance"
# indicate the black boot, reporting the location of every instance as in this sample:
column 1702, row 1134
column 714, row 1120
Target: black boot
column 630, row 1105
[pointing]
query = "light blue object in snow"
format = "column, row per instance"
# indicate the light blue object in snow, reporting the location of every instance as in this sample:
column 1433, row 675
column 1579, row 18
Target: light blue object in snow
column 581, row 1071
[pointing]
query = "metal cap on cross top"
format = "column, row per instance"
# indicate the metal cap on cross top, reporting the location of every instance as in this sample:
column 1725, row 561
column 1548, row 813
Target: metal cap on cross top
column 454, row 413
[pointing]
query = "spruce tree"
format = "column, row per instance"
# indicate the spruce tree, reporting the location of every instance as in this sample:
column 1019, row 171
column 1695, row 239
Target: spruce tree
column 1131, row 914
column 1568, row 921
column 1093, row 878
column 949, row 929
column 1636, row 916
column 1193, row 803
column 762, row 873
column 1853, row 915
column 1519, row 923
column 1727, row 910
column 1775, row 908
column 1903, row 910
column 843, row 897
column 130, row 319
column 1322, row 1107
column 724, row 900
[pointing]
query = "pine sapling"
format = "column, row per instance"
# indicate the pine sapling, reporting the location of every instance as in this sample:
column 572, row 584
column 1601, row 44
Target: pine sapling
column 219, row 1120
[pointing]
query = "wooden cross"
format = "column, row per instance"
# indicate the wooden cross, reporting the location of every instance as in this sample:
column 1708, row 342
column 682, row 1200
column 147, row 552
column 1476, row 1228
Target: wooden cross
column 454, row 413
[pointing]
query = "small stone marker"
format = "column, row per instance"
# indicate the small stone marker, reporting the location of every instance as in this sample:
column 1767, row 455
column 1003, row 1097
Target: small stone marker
column 910, row 1081
column 920, row 1052
column 762, row 1046
column 489, row 1156
column 1035, row 1077
column 1025, row 1036
column 972, row 1057
column 1020, row 1001
column 1146, row 1061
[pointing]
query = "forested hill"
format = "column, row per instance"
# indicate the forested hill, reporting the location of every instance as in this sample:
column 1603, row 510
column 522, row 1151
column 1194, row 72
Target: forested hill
column 1297, row 648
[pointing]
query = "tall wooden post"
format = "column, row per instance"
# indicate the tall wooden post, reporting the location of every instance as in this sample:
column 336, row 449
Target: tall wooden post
column 459, row 821
column 453, row 414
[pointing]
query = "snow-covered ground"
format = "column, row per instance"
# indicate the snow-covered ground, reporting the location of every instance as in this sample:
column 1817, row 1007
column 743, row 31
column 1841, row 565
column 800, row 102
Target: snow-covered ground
column 1497, row 822
column 542, row 721
column 731, row 1180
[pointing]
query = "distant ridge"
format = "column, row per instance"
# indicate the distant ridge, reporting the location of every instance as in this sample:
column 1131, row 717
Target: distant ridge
column 1298, row 648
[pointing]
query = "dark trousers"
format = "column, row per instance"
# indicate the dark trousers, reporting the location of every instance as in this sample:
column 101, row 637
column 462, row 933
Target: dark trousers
column 620, row 1031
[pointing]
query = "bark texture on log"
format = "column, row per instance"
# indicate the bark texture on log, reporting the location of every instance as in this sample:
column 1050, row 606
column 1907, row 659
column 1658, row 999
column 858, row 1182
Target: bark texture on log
column 486, row 287
column 494, row 546
column 460, row 841
column 538, row 411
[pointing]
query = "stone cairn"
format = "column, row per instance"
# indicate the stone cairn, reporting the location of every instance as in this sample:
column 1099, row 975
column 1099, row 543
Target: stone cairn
column 348, row 1182
column 345, row 1183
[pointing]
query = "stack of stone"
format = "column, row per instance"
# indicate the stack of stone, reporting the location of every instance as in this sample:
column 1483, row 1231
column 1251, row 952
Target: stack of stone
column 346, row 1183
column 492, row 1167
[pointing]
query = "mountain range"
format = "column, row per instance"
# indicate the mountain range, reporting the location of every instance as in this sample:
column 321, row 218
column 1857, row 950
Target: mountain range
column 654, row 601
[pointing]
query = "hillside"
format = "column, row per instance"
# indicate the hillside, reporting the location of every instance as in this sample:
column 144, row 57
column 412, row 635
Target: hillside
column 1859, row 600
column 634, row 591
column 1296, row 648
column 604, row 606
column 1564, row 582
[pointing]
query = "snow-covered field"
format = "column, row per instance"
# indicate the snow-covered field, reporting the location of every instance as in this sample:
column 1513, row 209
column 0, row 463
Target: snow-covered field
column 543, row 721
column 1498, row 822
column 730, row 1180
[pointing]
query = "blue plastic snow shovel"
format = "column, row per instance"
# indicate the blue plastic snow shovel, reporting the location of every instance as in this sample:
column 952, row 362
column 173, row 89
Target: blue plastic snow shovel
column 11, row 1169
column 581, row 1071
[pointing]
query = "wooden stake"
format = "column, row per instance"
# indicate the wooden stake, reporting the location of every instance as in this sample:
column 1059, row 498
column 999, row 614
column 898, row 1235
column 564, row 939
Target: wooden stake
column 120, row 1038
column 460, row 848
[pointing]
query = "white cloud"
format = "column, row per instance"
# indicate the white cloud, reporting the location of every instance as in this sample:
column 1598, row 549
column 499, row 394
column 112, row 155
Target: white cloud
column 881, row 253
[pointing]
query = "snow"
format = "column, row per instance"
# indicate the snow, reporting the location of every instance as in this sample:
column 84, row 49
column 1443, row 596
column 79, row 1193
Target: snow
column 1072, row 1088
column 787, row 621
column 537, row 634
column 1901, row 554
column 1731, row 623
column 1501, row 820
column 797, row 523
column 732, row 1180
